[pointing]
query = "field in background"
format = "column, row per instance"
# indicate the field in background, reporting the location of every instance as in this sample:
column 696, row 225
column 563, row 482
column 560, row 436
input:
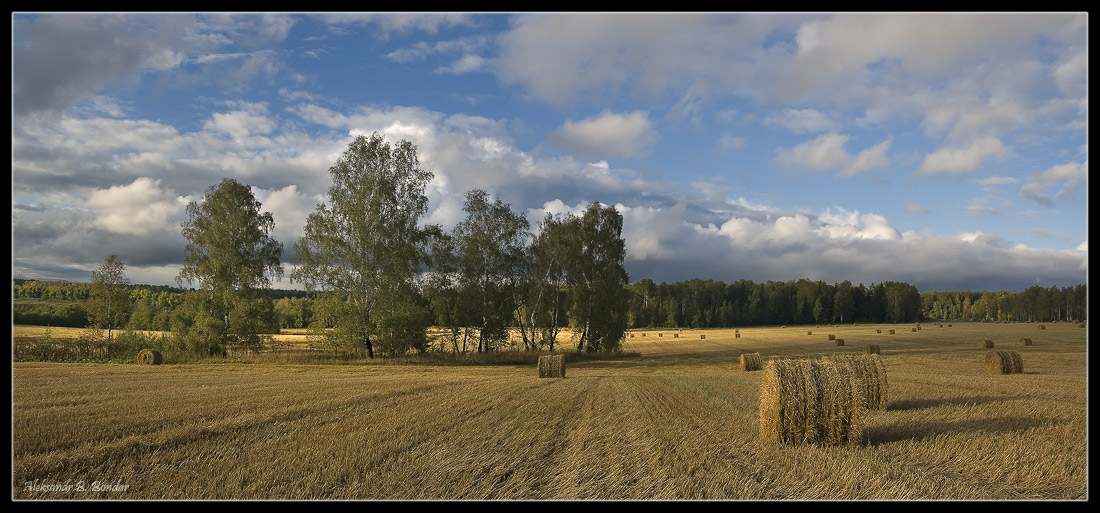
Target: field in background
column 679, row 422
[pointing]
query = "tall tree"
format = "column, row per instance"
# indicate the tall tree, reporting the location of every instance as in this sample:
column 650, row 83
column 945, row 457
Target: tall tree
column 232, row 256
column 542, row 297
column 366, row 246
column 598, row 279
column 108, row 304
column 491, row 244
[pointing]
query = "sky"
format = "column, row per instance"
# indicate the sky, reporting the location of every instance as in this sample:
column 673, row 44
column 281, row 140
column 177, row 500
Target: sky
column 944, row 150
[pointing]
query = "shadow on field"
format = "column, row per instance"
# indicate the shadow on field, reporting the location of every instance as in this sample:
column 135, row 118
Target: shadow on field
column 878, row 435
column 916, row 404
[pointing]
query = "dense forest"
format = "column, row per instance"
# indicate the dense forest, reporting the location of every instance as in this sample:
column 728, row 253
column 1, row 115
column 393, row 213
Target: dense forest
column 693, row 303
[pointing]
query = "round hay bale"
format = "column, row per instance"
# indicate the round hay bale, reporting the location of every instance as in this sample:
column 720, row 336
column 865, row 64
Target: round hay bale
column 891, row 332
column 832, row 337
column 1025, row 341
column 552, row 366
column 1003, row 362
column 702, row 337
column 914, row 330
column 751, row 362
column 873, row 349
column 878, row 331
column 1042, row 326
column 149, row 357
column 871, row 373
column 809, row 333
column 986, row 344
column 736, row 335
column 660, row 335
column 806, row 402
column 675, row 335
column 839, row 342
column 948, row 325
column 1080, row 325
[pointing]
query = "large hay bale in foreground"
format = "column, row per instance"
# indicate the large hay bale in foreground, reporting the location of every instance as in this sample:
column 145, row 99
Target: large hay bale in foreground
column 751, row 362
column 807, row 402
column 552, row 366
column 1025, row 341
column 873, row 349
column 986, row 344
column 1003, row 362
column 871, row 371
column 149, row 357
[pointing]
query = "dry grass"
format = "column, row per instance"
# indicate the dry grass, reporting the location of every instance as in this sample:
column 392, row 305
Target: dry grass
column 679, row 423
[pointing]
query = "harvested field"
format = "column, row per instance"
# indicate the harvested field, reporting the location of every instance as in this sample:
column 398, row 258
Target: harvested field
column 680, row 422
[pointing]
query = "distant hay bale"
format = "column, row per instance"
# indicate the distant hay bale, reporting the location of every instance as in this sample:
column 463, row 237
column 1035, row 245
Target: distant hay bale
column 1025, row 341
column 918, row 328
column 552, row 366
column 1003, row 362
column 736, row 335
column 1042, row 326
column 807, row 402
column 660, row 335
column 873, row 349
column 809, row 333
column 149, row 357
column 1080, row 325
column 986, row 344
column 914, row 330
column 675, row 335
column 878, row 331
column 832, row 337
column 891, row 332
column 631, row 335
column 751, row 362
column 839, row 342
column 702, row 337
column 949, row 325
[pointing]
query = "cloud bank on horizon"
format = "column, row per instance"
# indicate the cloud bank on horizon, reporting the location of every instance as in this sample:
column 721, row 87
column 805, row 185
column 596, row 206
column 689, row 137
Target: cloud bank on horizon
column 947, row 150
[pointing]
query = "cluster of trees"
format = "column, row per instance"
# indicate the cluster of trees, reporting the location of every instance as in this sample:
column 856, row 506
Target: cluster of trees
column 1035, row 304
column 712, row 304
column 377, row 277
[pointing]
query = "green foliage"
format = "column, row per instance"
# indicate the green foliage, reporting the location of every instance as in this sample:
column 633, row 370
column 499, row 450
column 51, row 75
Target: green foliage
column 231, row 254
column 109, row 305
column 367, row 246
column 597, row 278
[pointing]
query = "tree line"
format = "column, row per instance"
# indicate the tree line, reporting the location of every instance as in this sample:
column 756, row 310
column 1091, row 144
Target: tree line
column 376, row 278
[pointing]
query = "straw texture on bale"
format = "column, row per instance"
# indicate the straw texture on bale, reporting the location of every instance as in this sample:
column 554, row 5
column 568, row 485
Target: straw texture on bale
column 891, row 332
column 808, row 402
column 149, row 357
column 986, row 344
column 1025, row 341
column 832, row 337
column 871, row 372
column 873, row 349
column 1003, row 362
column 751, row 362
column 552, row 366
column 839, row 342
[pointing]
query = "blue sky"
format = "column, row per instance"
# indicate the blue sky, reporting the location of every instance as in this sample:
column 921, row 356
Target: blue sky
column 948, row 150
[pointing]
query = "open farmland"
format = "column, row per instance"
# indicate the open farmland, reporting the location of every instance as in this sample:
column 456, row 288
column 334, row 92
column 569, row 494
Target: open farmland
column 679, row 422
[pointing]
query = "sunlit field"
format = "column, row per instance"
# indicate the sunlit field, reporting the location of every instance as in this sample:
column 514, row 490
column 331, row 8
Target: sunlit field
column 680, row 421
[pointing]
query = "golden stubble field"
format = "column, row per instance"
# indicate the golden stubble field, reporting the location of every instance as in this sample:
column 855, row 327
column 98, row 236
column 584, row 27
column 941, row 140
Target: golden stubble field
column 679, row 422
